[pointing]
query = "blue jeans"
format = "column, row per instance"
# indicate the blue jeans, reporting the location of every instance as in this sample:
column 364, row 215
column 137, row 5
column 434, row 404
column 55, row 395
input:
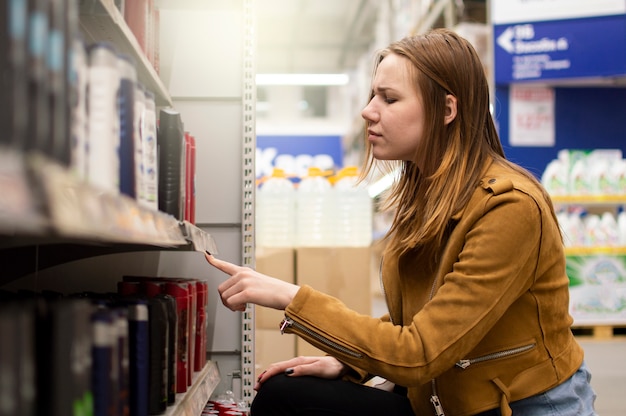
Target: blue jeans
column 574, row 397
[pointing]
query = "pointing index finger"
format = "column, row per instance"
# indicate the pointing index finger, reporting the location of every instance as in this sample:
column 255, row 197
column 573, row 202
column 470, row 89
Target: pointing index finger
column 222, row 265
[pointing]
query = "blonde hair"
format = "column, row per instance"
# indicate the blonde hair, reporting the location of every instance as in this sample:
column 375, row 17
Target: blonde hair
column 449, row 160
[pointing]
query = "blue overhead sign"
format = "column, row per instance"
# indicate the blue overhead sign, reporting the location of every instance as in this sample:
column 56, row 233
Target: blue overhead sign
column 537, row 40
column 551, row 50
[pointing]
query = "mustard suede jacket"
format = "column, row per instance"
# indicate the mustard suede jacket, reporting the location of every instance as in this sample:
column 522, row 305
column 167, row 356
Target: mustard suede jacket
column 488, row 324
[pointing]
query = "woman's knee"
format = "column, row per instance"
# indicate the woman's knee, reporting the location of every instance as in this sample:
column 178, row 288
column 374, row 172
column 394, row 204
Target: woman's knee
column 274, row 397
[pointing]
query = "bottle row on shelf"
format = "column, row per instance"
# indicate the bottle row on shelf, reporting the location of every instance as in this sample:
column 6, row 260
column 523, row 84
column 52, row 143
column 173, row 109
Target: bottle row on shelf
column 43, row 199
column 135, row 351
column 84, row 107
column 317, row 212
column 143, row 20
column 37, row 72
column 579, row 174
column 583, row 229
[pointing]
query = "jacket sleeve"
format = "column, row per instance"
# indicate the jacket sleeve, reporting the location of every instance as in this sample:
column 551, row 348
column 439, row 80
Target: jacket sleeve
column 495, row 266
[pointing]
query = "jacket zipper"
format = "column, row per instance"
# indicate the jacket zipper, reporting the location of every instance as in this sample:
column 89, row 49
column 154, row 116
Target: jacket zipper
column 501, row 354
column 288, row 322
column 434, row 398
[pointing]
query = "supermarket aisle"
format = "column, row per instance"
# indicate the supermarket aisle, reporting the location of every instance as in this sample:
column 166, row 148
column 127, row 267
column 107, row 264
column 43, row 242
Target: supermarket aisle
column 605, row 358
column 607, row 361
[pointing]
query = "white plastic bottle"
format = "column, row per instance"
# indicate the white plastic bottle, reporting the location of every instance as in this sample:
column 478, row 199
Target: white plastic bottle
column 138, row 132
column 554, row 178
column 562, row 217
column 579, row 178
column 594, row 233
column 103, row 162
column 576, row 230
column 149, row 156
column 275, row 212
column 78, row 98
column 608, row 223
column 601, row 181
column 618, row 172
column 353, row 210
column 314, row 211
column 621, row 226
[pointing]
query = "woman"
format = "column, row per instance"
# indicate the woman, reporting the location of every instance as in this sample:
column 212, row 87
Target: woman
column 473, row 271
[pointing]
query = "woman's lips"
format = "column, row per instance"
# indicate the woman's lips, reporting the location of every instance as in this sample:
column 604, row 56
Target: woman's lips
column 371, row 135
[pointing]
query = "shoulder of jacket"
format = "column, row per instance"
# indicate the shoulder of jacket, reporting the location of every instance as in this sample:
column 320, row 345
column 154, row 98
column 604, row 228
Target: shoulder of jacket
column 500, row 179
column 497, row 185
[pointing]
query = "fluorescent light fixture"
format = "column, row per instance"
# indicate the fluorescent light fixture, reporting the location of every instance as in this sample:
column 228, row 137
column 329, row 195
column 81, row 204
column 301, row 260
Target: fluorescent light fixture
column 382, row 184
column 302, row 79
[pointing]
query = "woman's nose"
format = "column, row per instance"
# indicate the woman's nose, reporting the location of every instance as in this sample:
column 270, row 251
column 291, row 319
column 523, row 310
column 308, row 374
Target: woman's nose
column 368, row 112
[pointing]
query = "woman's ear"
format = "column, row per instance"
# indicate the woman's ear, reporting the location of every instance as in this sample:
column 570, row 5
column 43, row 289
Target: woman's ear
column 450, row 109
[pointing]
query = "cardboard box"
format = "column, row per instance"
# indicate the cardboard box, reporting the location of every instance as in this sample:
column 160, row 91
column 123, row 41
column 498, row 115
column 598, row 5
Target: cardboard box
column 377, row 250
column 276, row 262
column 305, row 349
column 342, row 272
column 270, row 346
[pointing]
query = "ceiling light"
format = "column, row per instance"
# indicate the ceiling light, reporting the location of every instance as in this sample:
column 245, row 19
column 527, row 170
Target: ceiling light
column 302, row 79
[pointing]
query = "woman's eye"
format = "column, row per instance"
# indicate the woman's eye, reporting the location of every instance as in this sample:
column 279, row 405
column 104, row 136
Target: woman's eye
column 390, row 100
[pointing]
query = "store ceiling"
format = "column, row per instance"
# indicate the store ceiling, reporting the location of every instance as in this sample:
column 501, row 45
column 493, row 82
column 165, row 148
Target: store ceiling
column 330, row 36
column 313, row 36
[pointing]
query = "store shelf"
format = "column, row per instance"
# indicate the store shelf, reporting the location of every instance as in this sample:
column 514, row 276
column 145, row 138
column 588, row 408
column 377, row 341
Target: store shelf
column 593, row 251
column 48, row 217
column 194, row 400
column 46, row 201
column 20, row 213
column 101, row 21
column 589, row 200
column 595, row 322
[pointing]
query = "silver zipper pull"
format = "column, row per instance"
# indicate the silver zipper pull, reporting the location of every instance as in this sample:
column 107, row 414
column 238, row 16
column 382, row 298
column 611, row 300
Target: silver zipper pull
column 463, row 364
column 437, row 405
column 284, row 324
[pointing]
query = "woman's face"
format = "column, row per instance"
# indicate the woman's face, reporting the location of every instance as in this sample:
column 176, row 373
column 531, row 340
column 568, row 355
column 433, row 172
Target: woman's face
column 395, row 114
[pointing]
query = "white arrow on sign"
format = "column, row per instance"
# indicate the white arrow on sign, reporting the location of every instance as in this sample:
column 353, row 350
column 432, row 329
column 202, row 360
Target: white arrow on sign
column 505, row 40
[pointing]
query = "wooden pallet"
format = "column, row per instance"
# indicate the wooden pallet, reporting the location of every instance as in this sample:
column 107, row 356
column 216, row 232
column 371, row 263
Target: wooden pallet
column 600, row 332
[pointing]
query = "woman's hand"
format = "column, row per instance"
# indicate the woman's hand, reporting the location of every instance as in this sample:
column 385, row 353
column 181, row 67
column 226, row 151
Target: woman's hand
column 247, row 286
column 323, row 367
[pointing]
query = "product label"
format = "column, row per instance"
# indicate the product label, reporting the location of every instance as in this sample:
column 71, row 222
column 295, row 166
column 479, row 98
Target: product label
column 597, row 288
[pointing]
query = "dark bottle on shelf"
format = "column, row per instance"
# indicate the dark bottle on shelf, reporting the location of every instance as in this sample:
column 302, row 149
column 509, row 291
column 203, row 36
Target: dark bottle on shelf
column 126, row 108
column 13, row 76
column 57, row 145
column 171, row 145
column 104, row 378
column 71, row 35
column 158, row 365
column 38, row 112
column 139, row 350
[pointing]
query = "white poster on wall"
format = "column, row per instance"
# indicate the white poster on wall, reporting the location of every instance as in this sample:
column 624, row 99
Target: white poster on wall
column 531, row 116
